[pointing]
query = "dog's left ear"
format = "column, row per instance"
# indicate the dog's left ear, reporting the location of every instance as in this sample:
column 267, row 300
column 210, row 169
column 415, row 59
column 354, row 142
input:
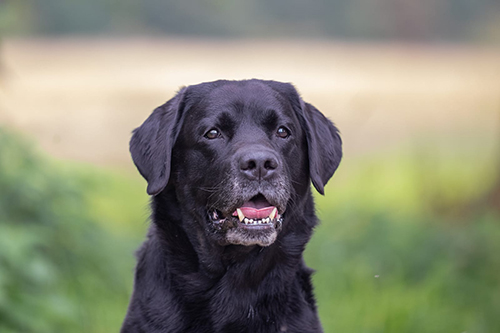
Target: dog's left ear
column 151, row 144
column 324, row 145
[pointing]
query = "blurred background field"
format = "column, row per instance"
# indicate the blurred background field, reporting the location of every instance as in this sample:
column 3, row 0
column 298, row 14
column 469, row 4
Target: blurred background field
column 410, row 233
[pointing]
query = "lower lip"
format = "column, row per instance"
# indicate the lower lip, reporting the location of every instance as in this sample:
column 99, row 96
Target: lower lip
column 256, row 226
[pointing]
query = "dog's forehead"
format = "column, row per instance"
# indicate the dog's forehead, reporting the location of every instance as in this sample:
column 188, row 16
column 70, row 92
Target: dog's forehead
column 244, row 98
column 248, row 92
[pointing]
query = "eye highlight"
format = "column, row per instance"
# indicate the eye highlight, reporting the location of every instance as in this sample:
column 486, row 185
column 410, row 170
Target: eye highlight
column 212, row 134
column 283, row 132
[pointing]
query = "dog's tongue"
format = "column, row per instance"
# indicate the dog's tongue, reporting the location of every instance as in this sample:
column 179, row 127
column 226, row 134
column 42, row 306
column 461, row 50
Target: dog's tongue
column 257, row 208
column 254, row 213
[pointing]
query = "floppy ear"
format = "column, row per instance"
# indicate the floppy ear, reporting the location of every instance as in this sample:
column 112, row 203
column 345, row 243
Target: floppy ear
column 324, row 146
column 151, row 144
column 323, row 140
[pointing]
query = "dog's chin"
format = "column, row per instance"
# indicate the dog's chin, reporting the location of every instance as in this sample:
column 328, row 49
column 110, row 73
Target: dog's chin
column 248, row 236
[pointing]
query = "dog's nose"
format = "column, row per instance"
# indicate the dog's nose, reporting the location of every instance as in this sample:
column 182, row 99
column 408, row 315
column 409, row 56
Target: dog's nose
column 258, row 164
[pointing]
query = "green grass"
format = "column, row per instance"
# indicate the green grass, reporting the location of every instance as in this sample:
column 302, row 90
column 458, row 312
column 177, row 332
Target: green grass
column 382, row 275
column 395, row 252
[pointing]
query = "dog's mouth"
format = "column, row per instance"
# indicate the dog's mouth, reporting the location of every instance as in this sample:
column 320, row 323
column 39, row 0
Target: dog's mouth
column 255, row 218
column 257, row 212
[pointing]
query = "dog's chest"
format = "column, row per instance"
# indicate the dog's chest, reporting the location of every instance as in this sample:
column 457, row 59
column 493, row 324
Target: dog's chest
column 229, row 308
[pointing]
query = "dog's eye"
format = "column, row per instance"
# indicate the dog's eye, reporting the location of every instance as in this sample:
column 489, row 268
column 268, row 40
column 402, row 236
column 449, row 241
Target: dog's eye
column 283, row 132
column 212, row 134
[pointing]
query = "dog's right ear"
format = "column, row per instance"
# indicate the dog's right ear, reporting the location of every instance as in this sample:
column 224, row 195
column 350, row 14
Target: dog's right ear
column 151, row 144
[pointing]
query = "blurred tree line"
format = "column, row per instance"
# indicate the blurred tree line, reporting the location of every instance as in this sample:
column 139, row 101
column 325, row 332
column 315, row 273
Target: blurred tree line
column 425, row 20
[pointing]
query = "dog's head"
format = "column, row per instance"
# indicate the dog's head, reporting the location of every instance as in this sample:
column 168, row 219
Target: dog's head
column 238, row 154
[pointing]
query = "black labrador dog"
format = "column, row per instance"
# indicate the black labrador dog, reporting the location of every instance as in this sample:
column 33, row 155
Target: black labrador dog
column 229, row 166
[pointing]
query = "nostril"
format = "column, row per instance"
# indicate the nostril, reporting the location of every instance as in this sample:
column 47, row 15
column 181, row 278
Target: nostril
column 270, row 164
column 248, row 165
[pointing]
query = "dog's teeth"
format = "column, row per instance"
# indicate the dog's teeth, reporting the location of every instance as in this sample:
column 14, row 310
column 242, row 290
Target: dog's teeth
column 240, row 214
column 246, row 220
column 250, row 220
column 273, row 213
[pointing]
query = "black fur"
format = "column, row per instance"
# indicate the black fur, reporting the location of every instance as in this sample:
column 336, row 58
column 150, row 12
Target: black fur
column 197, row 274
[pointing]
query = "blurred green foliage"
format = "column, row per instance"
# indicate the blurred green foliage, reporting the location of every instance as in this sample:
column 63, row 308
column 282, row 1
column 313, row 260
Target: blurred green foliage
column 398, row 249
column 60, row 270
column 457, row 20
column 379, row 274
column 402, row 248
